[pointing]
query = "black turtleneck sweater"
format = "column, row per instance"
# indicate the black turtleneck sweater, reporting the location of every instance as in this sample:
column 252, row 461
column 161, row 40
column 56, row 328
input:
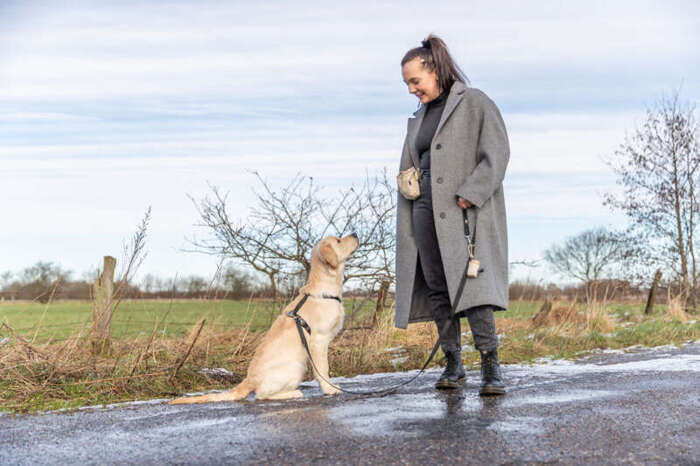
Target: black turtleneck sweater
column 427, row 128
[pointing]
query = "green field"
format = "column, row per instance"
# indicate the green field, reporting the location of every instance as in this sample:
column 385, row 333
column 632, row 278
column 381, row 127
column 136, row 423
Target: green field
column 61, row 319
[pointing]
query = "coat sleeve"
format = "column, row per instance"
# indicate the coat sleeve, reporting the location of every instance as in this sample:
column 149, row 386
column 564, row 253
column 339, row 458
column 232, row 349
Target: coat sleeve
column 492, row 157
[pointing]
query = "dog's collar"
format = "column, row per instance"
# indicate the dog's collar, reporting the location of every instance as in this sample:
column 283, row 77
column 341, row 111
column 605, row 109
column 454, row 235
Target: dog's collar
column 324, row 296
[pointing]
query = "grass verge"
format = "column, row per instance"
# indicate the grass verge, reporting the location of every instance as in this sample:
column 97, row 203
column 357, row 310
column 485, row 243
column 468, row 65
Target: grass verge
column 160, row 348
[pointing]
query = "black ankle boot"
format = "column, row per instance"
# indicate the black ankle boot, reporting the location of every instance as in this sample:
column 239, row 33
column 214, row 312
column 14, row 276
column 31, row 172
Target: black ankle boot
column 454, row 372
column 491, row 379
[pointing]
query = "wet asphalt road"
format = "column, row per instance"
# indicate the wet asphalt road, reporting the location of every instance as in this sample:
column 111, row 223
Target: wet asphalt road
column 640, row 407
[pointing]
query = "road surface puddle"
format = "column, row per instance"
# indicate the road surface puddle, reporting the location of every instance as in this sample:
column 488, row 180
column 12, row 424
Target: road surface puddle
column 390, row 414
column 554, row 398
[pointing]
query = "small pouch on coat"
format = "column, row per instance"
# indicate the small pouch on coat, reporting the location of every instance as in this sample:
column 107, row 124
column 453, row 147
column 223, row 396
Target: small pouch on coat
column 407, row 181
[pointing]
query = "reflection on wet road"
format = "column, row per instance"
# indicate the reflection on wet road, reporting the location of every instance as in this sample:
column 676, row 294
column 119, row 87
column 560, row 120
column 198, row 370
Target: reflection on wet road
column 641, row 406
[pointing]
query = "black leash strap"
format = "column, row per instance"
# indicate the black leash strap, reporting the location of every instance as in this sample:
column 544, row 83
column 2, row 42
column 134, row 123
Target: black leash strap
column 302, row 325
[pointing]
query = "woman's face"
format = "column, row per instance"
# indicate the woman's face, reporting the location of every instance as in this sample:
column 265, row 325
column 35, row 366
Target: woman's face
column 421, row 82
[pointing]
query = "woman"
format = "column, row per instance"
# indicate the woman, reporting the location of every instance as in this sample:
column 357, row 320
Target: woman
column 458, row 140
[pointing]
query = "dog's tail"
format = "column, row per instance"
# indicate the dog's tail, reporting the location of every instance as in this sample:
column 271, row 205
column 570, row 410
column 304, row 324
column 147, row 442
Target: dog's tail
column 241, row 391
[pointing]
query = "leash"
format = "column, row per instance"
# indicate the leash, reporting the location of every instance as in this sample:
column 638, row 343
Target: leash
column 302, row 325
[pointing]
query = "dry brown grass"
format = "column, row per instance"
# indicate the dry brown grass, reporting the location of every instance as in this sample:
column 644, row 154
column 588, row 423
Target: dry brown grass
column 674, row 310
column 40, row 376
column 35, row 375
column 363, row 349
column 67, row 373
column 597, row 318
column 567, row 317
column 557, row 314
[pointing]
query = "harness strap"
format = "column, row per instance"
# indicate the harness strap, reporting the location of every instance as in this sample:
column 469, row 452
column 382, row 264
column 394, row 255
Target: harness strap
column 298, row 319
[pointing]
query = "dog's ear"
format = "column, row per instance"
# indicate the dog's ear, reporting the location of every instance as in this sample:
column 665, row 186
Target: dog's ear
column 329, row 256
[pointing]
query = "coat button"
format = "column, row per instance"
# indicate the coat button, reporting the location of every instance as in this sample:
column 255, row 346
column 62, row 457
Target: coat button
column 442, row 215
column 438, row 146
column 439, row 180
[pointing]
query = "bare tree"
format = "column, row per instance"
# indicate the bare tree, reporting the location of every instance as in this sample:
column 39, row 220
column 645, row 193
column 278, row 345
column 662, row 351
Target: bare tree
column 591, row 254
column 237, row 284
column 658, row 168
column 38, row 281
column 148, row 283
column 284, row 225
column 5, row 279
column 196, row 285
column 277, row 235
column 372, row 215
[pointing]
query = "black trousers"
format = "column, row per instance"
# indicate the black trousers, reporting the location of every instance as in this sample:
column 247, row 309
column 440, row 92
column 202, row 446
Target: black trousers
column 480, row 318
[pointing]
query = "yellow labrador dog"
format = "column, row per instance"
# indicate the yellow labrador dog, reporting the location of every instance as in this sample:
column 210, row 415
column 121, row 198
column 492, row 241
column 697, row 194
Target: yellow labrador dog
column 280, row 361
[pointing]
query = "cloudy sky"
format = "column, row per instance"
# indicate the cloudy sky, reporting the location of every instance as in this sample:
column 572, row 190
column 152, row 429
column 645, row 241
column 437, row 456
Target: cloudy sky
column 109, row 107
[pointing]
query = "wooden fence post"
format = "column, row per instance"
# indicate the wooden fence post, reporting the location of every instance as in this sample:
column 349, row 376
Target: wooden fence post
column 654, row 285
column 381, row 300
column 103, row 292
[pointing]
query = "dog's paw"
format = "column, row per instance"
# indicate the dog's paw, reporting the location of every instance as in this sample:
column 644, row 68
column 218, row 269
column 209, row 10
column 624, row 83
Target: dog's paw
column 331, row 391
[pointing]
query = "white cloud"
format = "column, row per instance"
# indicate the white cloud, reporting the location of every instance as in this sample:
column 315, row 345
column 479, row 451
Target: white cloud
column 253, row 48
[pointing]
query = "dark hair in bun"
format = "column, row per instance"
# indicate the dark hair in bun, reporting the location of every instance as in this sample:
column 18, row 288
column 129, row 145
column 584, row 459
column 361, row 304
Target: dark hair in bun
column 435, row 57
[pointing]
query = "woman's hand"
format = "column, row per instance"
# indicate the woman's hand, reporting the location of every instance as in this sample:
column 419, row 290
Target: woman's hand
column 463, row 203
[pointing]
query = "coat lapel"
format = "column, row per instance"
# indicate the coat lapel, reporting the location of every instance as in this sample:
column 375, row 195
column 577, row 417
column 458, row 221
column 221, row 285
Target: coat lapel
column 453, row 98
column 455, row 95
column 413, row 127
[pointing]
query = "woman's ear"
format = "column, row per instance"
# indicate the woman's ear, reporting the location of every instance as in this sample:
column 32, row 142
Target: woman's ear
column 329, row 256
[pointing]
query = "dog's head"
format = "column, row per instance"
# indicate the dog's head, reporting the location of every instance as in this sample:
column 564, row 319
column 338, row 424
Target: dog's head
column 334, row 251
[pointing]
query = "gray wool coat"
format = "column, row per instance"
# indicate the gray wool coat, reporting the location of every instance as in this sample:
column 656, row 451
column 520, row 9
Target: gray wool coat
column 468, row 158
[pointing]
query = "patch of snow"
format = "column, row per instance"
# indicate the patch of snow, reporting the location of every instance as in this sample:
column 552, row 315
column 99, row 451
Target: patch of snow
column 112, row 405
column 397, row 361
column 664, row 347
column 675, row 363
column 596, row 351
column 381, row 376
column 217, row 371
column 394, row 348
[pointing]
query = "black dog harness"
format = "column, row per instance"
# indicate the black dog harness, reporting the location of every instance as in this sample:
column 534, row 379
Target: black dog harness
column 301, row 323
